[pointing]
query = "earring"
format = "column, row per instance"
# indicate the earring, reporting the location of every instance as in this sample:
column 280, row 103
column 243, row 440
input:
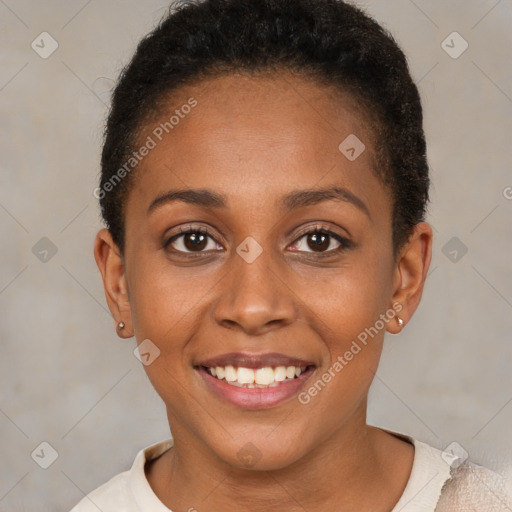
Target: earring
column 120, row 326
column 400, row 322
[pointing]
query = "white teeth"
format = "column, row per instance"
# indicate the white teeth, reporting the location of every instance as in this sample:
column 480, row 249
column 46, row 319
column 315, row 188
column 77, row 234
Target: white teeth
column 264, row 376
column 229, row 373
column 258, row 378
column 280, row 374
column 290, row 372
column 246, row 376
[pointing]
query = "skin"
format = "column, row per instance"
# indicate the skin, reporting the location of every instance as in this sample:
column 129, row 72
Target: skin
column 255, row 141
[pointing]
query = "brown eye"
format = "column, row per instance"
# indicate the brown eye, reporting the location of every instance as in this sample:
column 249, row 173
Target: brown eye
column 320, row 241
column 192, row 240
column 195, row 241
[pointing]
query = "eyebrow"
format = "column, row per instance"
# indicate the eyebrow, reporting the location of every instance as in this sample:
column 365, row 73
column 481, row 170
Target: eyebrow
column 309, row 197
column 197, row 196
column 297, row 199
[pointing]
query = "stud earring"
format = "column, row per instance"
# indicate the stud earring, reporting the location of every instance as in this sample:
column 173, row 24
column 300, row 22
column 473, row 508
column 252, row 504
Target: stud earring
column 120, row 326
column 400, row 322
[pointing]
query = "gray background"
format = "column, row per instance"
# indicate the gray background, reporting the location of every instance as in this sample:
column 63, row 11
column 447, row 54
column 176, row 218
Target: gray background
column 66, row 377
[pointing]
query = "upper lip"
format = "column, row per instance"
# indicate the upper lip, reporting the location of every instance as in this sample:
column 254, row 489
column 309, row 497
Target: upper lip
column 254, row 361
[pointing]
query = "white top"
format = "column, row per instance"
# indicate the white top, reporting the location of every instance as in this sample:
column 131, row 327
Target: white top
column 438, row 479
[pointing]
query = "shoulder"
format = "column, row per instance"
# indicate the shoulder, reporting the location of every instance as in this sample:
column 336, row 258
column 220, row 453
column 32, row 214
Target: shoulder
column 114, row 492
column 128, row 491
column 443, row 481
column 476, row 488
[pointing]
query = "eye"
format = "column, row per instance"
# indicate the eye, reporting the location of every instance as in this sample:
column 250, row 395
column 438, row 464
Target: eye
column 197, row 240
column 192, row 239
column 320, row 240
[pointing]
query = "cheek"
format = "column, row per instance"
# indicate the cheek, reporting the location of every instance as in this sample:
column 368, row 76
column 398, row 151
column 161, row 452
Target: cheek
column 169, row 303
column 350, row 310
column 163, row 300
column 167, row 309
column 352, row 332
column 338, row 306
column 347, row 318
column 350, row 299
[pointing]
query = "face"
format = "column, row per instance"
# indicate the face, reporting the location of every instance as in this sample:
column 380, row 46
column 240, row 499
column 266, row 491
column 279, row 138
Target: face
column 257, row 257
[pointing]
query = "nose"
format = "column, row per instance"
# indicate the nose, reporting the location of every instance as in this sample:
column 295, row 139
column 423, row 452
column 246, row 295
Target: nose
column 255, row 297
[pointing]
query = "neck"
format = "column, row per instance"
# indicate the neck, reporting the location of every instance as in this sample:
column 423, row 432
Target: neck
column 357, row 468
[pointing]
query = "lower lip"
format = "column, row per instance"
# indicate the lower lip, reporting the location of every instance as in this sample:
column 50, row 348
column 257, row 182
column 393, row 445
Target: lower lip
column 255, row 398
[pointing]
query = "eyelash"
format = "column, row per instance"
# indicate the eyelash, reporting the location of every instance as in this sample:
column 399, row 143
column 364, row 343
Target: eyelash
column 344, row 242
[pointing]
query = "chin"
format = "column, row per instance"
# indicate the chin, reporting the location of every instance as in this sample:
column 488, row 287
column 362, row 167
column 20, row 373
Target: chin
column 259, row 453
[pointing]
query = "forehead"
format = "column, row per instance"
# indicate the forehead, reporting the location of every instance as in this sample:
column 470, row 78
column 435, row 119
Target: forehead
column 258, row 137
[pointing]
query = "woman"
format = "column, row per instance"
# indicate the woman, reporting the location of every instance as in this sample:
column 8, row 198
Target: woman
column 264, row 187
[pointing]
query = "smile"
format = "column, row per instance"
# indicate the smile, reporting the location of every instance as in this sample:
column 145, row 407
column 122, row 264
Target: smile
column 255, row 381
column 265, row 377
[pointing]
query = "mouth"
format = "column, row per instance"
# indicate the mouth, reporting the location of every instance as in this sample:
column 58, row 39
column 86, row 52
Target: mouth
column 250, row 381
column 266, row 377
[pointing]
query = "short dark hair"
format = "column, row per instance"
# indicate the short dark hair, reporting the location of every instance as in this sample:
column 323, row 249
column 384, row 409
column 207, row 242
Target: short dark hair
column 334, row 42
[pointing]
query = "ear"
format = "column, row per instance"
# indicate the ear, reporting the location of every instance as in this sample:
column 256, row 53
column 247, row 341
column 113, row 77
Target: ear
column 410, row 273
column 110, row 262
